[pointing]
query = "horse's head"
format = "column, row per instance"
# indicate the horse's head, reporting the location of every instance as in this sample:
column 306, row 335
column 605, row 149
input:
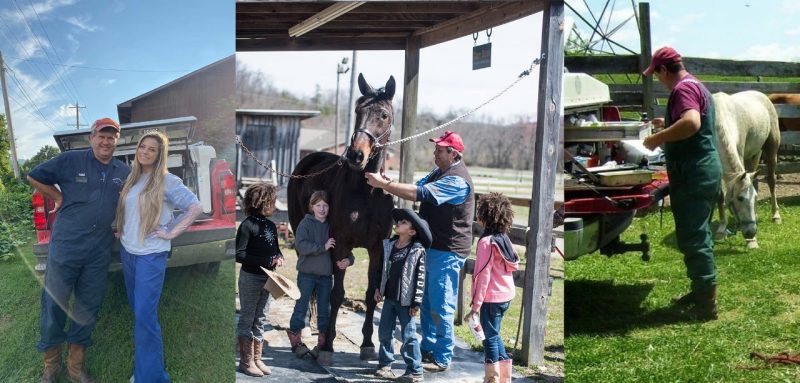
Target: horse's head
column 741, row 200
column 373, row 124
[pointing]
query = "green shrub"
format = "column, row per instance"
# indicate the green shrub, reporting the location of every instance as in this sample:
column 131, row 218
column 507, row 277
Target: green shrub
column 16, row 218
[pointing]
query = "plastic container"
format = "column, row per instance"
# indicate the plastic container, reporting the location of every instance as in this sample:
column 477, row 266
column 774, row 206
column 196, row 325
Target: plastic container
column 475, row 326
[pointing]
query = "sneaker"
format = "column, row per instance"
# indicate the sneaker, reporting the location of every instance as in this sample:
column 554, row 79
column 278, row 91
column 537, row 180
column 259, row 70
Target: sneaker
column 427, row 357
column 385, row 372
column 410, row 378
column 435, row 366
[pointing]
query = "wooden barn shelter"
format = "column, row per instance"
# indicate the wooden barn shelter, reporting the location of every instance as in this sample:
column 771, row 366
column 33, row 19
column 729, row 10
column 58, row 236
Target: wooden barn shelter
column 410, row 26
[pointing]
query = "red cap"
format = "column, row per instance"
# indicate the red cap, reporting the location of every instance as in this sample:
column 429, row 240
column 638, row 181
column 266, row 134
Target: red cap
column 104, row 123
column 451, row 139
column 662, row 56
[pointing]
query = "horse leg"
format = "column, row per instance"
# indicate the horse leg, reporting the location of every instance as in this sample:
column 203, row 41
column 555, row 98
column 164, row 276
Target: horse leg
column 721, row 231
column 772, row 165
column 375, row 265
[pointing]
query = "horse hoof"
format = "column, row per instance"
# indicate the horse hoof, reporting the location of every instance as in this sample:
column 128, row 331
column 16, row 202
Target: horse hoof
column 752, row 245
column 325, row 358
column 368, row 353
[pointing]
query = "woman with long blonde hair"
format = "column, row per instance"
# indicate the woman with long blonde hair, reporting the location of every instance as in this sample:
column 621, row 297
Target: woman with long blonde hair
column 146, row 227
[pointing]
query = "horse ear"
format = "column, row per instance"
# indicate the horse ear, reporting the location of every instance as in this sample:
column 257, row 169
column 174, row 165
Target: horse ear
column 389, row 90
column 363, row 86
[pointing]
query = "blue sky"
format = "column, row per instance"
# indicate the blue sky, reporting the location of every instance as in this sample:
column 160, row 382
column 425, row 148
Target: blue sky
column 730, row 29
column 151, row 42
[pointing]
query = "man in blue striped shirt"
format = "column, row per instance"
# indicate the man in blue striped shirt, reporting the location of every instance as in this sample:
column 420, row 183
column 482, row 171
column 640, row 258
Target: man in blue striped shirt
column 447, row 202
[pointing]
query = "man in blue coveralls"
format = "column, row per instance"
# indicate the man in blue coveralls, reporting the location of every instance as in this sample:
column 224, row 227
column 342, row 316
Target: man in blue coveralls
column 89, row 182
column 447, row 202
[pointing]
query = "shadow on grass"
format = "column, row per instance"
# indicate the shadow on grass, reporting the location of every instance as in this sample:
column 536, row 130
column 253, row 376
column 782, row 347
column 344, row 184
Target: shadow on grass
column 608, row 308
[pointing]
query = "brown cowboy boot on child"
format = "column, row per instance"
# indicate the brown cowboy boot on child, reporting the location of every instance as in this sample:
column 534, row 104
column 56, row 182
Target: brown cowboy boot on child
column 52, row 364
column 76, row 364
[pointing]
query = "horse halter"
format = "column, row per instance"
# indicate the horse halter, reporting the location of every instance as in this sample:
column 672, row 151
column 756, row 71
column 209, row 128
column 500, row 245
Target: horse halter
column 376, row 141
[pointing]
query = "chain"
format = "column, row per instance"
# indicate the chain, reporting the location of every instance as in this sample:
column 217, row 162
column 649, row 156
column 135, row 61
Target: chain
column 519, row 78
column 250, row 154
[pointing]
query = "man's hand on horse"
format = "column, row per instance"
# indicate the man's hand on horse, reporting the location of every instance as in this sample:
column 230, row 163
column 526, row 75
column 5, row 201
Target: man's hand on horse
column 378, row 297
column 377, row 180
column 330, row 244
column 343, row 263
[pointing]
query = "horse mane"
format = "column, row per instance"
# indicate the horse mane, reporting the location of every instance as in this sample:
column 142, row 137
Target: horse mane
column 727, row 138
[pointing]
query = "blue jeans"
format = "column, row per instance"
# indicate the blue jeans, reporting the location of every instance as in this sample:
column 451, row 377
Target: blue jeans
column 491, row 318
column 144, row 279
column 307, row 283
column 410, row 351
column 439, row 304
column 254, row 302
column 85, row 274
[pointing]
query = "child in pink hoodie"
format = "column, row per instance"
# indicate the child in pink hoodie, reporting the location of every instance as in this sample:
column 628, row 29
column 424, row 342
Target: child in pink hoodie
column 493, row 282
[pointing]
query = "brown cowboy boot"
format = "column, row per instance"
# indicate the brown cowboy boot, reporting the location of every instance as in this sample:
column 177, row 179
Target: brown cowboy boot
column 686, row 300
column 705, row 307
column 76, row 364
column 258, row 348
column 298, row 347
column 52, row 364
column 246, row 364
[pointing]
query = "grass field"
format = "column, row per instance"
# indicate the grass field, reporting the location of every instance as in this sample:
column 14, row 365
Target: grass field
column 620, row 327
column 196, row 313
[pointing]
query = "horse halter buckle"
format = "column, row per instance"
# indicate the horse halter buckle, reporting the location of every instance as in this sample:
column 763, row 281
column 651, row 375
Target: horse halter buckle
column 376, row 140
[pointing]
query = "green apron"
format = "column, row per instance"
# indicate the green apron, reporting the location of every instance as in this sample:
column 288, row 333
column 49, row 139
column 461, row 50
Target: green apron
column 694, row 171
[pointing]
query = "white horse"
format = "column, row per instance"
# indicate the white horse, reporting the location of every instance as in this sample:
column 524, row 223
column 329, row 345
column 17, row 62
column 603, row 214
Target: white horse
column 747, row 126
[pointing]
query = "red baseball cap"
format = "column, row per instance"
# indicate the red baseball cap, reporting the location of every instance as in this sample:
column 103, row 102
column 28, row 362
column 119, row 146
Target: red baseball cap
column 105, row 123
column 451, row 139
column 662, row 56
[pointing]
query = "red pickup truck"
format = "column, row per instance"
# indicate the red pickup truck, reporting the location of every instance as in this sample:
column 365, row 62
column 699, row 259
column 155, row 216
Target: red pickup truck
column 211, row 238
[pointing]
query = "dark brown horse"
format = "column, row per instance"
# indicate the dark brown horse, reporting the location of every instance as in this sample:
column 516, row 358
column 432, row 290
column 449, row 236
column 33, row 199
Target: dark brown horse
column 359, row 215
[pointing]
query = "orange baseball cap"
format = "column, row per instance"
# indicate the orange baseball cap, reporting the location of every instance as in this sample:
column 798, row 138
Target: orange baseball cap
column 105, row 123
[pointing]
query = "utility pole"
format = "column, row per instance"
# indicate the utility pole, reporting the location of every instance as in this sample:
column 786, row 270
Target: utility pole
column 77, row 108
column 350, row 106
column 341, row 68
column 11, row 143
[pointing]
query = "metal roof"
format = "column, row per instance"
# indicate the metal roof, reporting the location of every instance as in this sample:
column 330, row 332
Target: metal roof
column 279, row 112
column 378, row 25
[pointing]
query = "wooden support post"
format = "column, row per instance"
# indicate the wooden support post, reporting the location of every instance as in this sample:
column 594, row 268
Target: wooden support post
column 648, row 96
column 410, row 88
column 546, row 141
column 11, row 142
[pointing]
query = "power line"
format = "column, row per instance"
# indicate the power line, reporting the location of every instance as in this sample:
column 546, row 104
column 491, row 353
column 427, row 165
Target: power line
column 27, row 96
column 55, row 52
column 109, row 69
column 47, row 55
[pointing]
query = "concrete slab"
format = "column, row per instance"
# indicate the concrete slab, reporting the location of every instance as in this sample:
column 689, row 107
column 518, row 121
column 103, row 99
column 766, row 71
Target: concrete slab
column 467, row 365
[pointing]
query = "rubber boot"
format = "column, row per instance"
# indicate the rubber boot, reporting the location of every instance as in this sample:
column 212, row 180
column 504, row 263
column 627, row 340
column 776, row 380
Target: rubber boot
column 258, row 348
column 506, row 370
column 298, row 347
column 491, row 373
column 76, row 364
column 705, row 307
column 246, row 364
column 52, row 364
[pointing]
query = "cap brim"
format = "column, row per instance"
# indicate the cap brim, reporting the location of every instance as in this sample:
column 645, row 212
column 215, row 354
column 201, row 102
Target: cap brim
column 649, row 71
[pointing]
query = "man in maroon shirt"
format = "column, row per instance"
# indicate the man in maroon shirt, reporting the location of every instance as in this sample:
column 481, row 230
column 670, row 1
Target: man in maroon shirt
column 694, row 170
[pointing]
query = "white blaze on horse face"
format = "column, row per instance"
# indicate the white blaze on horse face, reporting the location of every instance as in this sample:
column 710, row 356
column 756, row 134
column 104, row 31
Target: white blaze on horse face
column 354, row 216
column 742, row 203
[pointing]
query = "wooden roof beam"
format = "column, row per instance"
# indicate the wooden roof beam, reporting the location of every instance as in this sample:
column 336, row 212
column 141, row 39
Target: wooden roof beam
column 323, row 17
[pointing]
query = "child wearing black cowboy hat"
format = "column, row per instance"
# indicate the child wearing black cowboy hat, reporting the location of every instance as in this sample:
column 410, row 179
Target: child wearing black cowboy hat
column 402, row 284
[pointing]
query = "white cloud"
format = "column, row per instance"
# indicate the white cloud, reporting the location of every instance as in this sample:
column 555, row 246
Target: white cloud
column 680, row 24
column 110, row 81
column 30, row 47
column 790, row 6
column 770, row 52
column 43, row 8
column 792, row 32
column 82, row 22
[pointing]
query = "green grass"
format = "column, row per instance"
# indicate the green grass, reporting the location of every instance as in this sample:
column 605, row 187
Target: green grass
column 620, row 327
column 196, row 313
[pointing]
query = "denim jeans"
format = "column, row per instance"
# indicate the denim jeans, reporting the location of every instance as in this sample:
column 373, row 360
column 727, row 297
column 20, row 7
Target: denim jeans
column 307, row 283
column 144, row 279
column 439, row 304
column 254, row 302
column 391, row 312
column 84, row 274
column 491, row 318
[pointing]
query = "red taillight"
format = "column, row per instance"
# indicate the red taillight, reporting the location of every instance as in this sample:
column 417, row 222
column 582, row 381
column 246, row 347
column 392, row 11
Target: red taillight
column 39, row 211
column 228, row 193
